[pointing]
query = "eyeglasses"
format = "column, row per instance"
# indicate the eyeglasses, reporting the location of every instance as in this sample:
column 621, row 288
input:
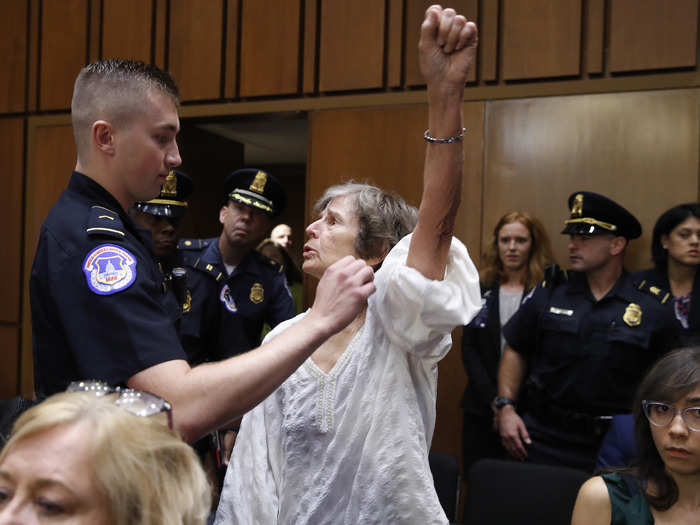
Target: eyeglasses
column 661, row 414
column 136, row 402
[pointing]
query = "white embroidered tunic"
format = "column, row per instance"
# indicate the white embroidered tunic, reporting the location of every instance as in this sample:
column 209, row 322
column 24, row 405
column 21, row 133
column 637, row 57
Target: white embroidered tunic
column 351, row 446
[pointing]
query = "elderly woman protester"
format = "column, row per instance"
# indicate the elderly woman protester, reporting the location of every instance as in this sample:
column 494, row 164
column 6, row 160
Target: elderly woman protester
column 513, row 263
column 664, row 487
column 345, row 439
column 87, row 460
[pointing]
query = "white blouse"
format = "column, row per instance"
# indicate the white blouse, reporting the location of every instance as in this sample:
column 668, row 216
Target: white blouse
column 351, row 446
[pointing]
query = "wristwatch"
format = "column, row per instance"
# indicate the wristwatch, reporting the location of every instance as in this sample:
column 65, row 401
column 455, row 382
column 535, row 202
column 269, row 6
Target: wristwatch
column 499, row 402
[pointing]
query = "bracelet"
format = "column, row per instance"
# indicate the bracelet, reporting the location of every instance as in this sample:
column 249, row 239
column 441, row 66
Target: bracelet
column 449, row 140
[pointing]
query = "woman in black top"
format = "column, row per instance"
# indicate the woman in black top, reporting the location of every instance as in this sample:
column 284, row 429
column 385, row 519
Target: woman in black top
column 513, row 263
column 675, row 249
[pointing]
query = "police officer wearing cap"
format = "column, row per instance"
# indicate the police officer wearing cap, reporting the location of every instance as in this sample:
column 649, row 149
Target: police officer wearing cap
column 161, row 218
column 580, row 343
column 235, row 289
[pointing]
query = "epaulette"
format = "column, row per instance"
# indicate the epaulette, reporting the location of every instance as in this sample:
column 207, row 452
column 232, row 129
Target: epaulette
column 554, row 276
column 103, row 221
column 279, row 268
column 193, row 244
column 662, row 295
column 212, row 270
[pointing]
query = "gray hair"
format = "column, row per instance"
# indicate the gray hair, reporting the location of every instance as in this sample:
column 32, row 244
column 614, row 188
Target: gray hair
column 114, row 90
column 384, row 217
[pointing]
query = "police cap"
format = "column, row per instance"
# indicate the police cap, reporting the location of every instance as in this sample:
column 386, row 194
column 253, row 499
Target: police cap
column 592, row 213
column 257, row 189
column 171, row 201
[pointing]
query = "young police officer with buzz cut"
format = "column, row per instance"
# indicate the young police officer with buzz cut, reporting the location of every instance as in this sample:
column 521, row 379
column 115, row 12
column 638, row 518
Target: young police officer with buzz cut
column 580, row 343
column 96, row 293
column 248, row 289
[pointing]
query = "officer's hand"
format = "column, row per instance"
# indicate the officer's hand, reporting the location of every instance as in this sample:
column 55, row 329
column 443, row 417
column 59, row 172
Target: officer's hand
column 342, row 293
column 513, row 432
column 447, row 47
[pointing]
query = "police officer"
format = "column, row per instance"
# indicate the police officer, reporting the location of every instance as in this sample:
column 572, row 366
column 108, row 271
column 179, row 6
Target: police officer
column 161, row 217
column 96, row 292
column 248, row 288
column 580, row 342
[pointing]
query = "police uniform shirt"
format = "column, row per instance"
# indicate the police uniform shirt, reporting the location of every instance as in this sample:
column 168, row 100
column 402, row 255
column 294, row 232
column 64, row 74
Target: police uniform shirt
column 255, row 293
column 589, row 356
column 97, row 296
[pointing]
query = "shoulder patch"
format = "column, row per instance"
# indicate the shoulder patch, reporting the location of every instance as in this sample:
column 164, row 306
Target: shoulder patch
column 661, row 294
column 109, row 269
column 193, row 244
column 105, row 222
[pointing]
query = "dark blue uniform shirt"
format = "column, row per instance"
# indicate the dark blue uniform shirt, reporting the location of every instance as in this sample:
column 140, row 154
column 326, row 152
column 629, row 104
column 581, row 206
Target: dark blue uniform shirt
column 589, row 356
column 228, row 311
column 99, row 304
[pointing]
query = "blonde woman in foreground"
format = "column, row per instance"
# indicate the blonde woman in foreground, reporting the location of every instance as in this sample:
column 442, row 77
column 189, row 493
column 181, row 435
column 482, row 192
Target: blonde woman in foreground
column 81, row 459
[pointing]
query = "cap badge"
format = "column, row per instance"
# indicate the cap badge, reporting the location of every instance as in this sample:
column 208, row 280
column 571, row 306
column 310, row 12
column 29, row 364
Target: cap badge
column 577, row 206
column 257, row 293
column 259, row 182
column 169, row 188
column 633, row 315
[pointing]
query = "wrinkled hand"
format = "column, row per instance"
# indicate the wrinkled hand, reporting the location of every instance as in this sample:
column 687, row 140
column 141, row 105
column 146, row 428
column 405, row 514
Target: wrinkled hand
column 447, row 47
column 513, row 433
column 342, row 293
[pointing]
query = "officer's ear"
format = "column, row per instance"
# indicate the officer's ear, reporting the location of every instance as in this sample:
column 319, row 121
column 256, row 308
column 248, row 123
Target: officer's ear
column 223, row 212
column 102, row 136
column 618, row 245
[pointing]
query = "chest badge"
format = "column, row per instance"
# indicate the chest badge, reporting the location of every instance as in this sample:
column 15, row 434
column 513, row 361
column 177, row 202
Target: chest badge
column 226, row 298
column 257, row 293
column 633, row 315
column 109, row 269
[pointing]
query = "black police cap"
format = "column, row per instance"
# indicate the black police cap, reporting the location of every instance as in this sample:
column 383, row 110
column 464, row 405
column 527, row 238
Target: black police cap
column 171, row 201
column 257, row 189
column 592, row 213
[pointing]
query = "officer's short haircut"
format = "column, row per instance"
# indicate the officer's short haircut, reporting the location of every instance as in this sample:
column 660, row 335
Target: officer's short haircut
column 384, row 217
column 114, row 90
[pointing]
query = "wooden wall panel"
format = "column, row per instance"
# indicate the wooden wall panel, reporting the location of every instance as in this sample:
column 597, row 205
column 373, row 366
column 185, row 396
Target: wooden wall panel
column 626, row 146
column 394, row 42
column 195, row 46
column 352, row 45
column 51, row 158
column 159, row 32
column 541, row 38
column 488, row 39
column 385, row 147
column 310, row 45
column 13, row 49
column 649, row 34
column 231, row 63
column 127, row 26
column 63, row 50
column 12, row 169
column 270, row 66
column 595, row 35
column 415, row 13
column 9, row 361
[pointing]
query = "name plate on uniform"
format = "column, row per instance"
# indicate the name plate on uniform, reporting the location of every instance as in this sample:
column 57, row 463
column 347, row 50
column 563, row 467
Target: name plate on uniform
column 561, row 311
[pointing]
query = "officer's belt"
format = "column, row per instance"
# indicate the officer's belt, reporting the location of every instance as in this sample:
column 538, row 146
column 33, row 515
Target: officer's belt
column 540, row 406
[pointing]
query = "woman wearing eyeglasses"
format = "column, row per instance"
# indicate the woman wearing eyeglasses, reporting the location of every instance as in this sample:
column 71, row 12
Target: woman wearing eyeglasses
column 82, row 459
column 664, row 487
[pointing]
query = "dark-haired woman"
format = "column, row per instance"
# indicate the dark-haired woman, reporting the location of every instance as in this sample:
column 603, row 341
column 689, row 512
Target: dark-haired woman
column 513, row 263
column 675, row 249
column 665, row 487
